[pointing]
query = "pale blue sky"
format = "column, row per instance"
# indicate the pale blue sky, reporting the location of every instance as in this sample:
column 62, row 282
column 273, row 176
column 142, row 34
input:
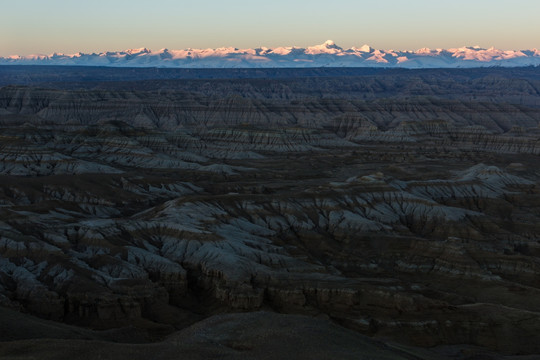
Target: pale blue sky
column 46, row 26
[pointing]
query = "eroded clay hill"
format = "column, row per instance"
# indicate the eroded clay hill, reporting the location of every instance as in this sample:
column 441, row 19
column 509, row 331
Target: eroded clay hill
column 414, row 221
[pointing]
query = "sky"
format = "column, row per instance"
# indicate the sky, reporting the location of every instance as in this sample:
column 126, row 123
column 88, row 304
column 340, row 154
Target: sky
column 69, row 26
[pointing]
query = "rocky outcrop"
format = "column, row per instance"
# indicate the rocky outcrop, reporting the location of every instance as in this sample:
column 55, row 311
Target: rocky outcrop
column 353, row 249
column 201, row 126
column 409, row 219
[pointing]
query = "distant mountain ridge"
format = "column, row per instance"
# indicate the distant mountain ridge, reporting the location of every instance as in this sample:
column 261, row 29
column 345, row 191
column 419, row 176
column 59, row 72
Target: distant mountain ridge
column 327, row 54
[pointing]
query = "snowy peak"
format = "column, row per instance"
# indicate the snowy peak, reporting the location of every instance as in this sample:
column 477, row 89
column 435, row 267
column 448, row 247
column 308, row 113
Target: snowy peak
column 327, row 54
column 328, row 47
column 137, row 51
column 365, row 48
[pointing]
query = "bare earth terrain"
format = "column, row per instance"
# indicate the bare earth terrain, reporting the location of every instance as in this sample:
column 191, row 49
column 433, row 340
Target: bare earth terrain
column 269, row 214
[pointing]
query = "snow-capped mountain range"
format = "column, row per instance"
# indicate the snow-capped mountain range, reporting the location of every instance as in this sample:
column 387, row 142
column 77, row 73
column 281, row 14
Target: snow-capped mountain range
column 327, row 54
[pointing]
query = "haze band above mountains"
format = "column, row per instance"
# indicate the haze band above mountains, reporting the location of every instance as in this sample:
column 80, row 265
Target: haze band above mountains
column 325, row 55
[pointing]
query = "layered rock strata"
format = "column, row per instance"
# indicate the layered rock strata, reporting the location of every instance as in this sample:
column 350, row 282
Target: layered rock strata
column 415, row 222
